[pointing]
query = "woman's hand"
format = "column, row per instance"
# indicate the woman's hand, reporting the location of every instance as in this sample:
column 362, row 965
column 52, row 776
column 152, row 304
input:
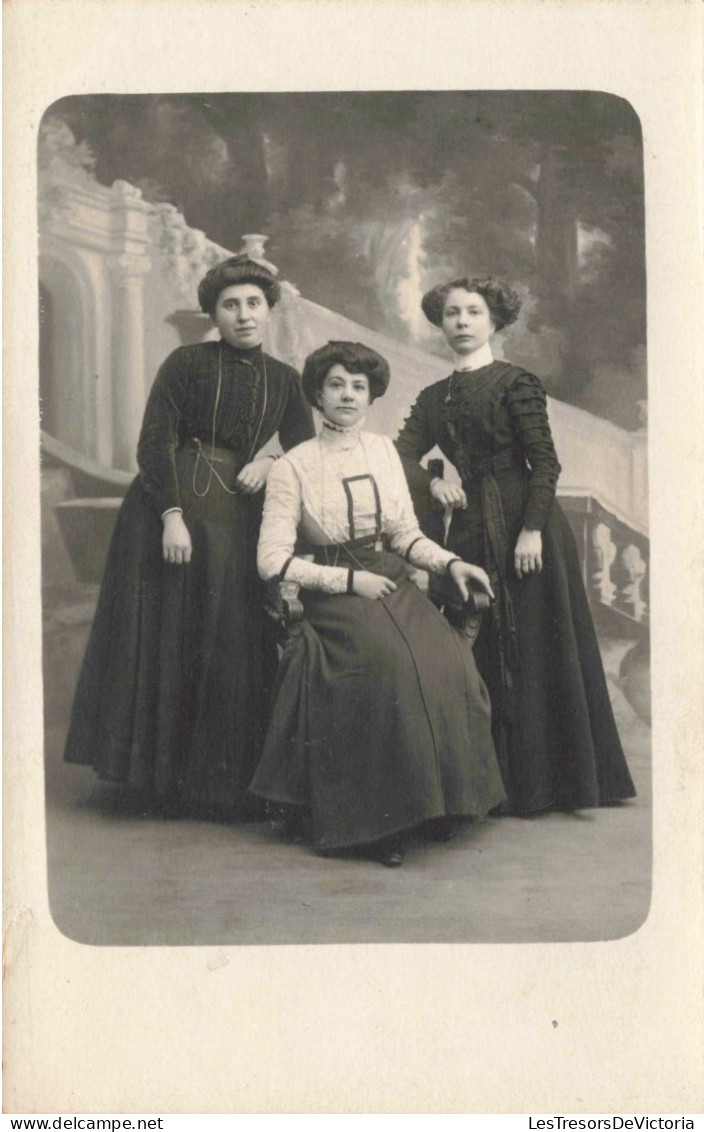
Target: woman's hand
column 447, row 493
column 176, row 541
column 463, row 573
column 529, row 553
column 366, row 584
column 253, row 476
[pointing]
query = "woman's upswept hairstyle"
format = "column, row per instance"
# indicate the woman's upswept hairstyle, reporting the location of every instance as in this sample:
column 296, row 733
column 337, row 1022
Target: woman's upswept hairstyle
column 236, row 269
column 502, row 300
column 355, row 357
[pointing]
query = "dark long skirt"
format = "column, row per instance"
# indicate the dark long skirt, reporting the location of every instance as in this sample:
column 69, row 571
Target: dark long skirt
column 175, row 687
column 555, row 734
column 381, row 720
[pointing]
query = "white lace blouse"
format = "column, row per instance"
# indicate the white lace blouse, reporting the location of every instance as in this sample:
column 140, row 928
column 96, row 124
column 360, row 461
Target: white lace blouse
column 345, row 484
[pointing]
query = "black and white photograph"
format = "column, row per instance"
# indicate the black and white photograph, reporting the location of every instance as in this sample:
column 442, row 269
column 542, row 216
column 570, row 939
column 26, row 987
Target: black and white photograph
column 349, row 702
column 345, row 517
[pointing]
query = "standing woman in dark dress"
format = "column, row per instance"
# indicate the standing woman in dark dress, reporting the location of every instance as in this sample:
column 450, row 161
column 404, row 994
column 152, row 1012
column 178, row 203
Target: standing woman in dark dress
column 173, row 694
column 554, row 727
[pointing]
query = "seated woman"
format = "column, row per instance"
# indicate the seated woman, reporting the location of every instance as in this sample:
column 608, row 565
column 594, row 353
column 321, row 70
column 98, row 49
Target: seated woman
column 381, row 721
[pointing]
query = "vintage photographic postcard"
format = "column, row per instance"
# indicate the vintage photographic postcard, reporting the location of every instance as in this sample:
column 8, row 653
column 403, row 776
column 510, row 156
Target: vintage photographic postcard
column 204, row 960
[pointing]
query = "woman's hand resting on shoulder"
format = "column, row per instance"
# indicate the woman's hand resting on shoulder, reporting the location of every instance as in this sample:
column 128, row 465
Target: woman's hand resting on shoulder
column 448, row 493
column 463, row 574
column 253, row 476
column 176, row 541
column 366, row 584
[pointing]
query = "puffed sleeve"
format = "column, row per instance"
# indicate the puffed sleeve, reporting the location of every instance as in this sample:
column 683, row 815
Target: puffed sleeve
column 297, row 421
column 159, row 437
column 277, row 537
column 527, row 406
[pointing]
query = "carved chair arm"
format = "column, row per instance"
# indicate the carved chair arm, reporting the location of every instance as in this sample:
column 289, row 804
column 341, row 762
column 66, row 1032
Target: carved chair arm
column 283, row 605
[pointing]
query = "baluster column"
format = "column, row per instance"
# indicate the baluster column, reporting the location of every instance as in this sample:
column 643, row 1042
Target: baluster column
column 630, row 574
column 602, row 553
column 128, row 363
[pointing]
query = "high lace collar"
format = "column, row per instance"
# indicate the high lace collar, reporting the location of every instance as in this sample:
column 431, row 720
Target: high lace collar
column 339, row 436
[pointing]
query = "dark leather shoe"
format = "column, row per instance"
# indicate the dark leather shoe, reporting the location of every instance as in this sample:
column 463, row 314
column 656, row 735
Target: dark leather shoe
column 389, row 853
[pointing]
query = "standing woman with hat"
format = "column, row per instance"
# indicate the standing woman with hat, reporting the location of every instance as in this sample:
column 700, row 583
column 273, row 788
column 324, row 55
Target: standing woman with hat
column 381, row 722
column 553, row 723
column 173, row 693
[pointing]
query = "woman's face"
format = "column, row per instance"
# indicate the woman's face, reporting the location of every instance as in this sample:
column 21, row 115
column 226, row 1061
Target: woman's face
column 241, row 315
column 344, row 397
column 466, row 321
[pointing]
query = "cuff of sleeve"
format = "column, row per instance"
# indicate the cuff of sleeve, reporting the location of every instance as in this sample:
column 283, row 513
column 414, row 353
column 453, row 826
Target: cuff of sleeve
column 428, row 555
column 537, row 508
column 171, row 511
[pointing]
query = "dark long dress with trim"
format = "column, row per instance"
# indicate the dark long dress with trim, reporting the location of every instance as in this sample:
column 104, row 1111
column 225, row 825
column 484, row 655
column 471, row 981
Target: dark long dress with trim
column 381, row 720
column 173, row 695
column 554, row 727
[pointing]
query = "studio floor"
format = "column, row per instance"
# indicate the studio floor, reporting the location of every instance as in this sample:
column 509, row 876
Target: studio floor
column 119, row 876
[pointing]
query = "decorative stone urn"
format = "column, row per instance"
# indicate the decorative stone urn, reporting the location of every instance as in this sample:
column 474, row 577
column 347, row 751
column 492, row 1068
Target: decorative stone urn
column 253, row 246
column 192, row 326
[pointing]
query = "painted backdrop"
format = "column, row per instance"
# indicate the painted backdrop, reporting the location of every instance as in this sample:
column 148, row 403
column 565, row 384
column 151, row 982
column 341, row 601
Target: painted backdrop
column 369, row 198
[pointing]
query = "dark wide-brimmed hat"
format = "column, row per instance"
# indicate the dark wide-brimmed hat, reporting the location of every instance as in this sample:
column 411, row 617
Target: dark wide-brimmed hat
column 502, row 300
column 355, row 357
column 237, row 269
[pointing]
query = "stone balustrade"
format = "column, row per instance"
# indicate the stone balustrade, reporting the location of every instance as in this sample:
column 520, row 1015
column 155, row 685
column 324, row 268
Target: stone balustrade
column 615, row 563
column 119, row 278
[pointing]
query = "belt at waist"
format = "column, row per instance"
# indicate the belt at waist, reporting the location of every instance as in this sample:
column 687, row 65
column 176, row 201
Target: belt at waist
column 227, row 456
column 328, row 554
column 480, row 469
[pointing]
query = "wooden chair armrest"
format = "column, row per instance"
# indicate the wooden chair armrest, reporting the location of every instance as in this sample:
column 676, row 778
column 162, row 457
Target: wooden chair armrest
column 293, row 609
column 283, row 605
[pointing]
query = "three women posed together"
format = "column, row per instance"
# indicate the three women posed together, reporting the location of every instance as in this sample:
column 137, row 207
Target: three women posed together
column 381, row 718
